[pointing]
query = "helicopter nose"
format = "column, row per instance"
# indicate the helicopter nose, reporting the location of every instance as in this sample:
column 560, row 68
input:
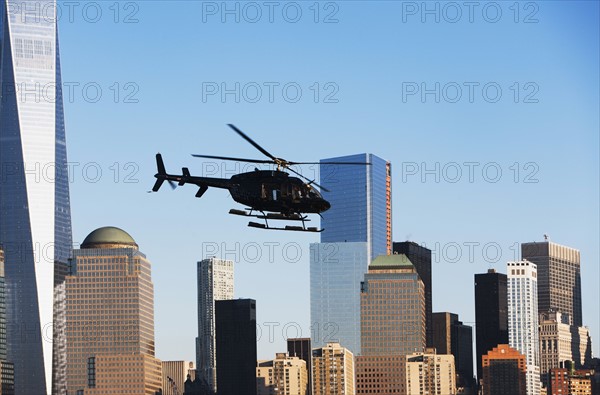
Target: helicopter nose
column 326, row 205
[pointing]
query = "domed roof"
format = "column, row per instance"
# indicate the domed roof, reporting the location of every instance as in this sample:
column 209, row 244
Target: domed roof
column 108, row 236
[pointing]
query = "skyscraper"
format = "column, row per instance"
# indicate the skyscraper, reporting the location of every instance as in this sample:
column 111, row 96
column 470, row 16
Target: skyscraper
column 421, row 259
column 336, row 271
column 215, row 282
column 559, row 278
column 361, row 202
column 491, row 314
column 35, row 219
column 357, row 228
column 301, row 348
column 428, row 373
column 236, row 346
column 523, row 328
column 451, row 336
column 174, row 375
column 110, row 317
column 392, row 308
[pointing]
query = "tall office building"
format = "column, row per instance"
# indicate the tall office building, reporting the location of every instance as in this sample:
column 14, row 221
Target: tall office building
column 383, row 375
column 110, row 317
column 284, row 375
column 523, row 328
column 174, row 375
column 451, row 336
column 421, row 259
column 336, row 271
column 504, row 372
column 357, row 228
column 361, row 202
column 559, row 278
column 428, row 373
column 35, row 219
column 491, row 314
column 236, row 346
column 7, row 378
column 333, row 370
column 215, row 282
column 392, row 308
column 301, row 348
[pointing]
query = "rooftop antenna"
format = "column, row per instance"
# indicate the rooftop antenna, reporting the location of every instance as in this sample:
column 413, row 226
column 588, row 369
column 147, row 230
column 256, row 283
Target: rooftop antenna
column 546, row 237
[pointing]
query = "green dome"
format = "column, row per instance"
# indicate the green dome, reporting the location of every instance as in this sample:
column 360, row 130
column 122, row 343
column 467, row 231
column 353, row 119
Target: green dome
column 108, row 236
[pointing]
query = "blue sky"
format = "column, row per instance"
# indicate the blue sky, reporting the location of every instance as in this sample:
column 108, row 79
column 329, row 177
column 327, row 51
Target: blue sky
column 158, row 74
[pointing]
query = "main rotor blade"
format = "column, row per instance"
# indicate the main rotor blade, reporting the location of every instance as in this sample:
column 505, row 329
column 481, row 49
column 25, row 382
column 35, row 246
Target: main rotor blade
column 308, row 179
column 235, row 159
column 254, row 143
column 328, row 163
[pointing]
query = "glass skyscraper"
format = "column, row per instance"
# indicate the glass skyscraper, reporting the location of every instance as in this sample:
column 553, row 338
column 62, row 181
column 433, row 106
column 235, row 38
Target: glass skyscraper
column 357, row 228
column 35, row 219
column 361, row 202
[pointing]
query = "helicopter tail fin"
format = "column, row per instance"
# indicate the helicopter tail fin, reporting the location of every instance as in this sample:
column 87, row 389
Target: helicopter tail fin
column 161, row 172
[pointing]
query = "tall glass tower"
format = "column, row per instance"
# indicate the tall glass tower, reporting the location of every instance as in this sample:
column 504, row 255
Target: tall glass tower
column 35, row 219
column 361, row 202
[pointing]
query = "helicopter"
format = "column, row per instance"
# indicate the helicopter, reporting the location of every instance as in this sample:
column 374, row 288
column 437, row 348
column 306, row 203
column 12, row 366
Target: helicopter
column 268, row 194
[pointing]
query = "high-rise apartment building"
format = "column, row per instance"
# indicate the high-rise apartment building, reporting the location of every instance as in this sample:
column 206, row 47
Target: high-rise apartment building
column 110, row 317
column 333, row 370
column 559, row 278
column 284, row 375
column 215, row 282
column 523, row 328
column 392, row 306
column 301, row 348
column 35, row 219
column 336, row 271
column 428, row 373
column 504, row 372
column 491, row 313
column 451, row 336
column 421, row 259
column 174, row 375
column 361, row 202
column 235, row 331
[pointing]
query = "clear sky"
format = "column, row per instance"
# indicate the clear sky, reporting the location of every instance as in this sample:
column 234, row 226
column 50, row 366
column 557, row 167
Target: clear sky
column 518, row 94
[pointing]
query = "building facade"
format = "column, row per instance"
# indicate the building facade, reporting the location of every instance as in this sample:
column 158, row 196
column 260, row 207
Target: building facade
column 302, row 348
column 491, row 313
column 523, row 327
column 215, row 282
column 333, row 370
column 235, row 331
column 421, row 259
column 7, row 374
column 384, row 375
column 174, row 375
column 504, row 372
column 392, row 308
column 110, row 316
column 428, row 373
column 361, row 202
column 35, row 219
column 451, row 336
column 284, row 375
column 559, row 278
column 336, row 271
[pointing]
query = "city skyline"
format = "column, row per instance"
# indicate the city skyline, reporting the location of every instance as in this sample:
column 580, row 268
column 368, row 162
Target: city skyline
column 123, row 204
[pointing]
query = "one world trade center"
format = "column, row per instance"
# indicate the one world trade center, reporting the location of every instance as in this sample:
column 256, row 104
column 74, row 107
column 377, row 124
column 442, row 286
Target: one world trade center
column 35, row 218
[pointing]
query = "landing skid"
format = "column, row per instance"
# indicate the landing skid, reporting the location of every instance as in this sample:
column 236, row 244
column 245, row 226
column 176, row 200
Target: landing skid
column 277, row 216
